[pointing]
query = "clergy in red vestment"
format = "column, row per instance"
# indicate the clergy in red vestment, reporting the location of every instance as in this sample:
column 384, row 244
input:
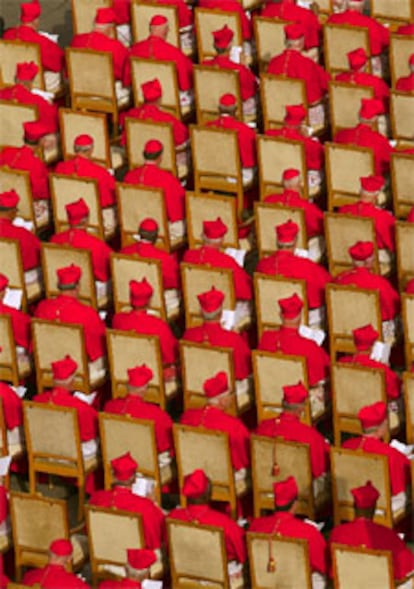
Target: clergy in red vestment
column 213, row 416
column 20, row 321
column 363, row 532
column 406, row 83
column 137, row 569
column 55, row 573
column 284, row 523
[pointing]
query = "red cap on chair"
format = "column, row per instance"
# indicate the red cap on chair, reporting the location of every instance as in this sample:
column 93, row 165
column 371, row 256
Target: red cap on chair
column 83, row 140
column 370, row 108
column 153, row 146
column 295, row 114
column 289, row 174
column 223, row 37
column 361, row 250
column 61, row 547
column 365, row 337
column 140, row 558
column 290, row 307
column 357, row 58
column 76, row 211
column 211, row 300
column 227, row 100
column 69, row 276
column 287, row 232
column 372, row 183
column 124, row 467
column 151, row 90
column 140, row 292
column 217, row 385
column 373, row 415
column 105, row 16
column 139, row 376
column 214, row 229
column 149, row 225
column 26, row 70
column 294, row 31
column 157, row 20
column 29, row 11
column 295, row 394
column 4, row 281
column 195, row 484
column 64, row 369
column 9, row 199
column 366, row 496
column 285, row 491
column 34, row 130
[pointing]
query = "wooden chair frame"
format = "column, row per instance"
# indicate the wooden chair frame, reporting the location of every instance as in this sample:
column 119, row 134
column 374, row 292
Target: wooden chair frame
column 407, row 303
column 388, row 11
column 12, row 267
column 340, row 39
column 402, row 116
column 17, row 51
column 270, row 39
column 12, row 117
column 210, row 83
column 277, row 92
column 345, row 102
column 402, row 183
column 267, row 216
column 84, row 12
column 207, row 20
column 141, row 14
column 9, row 368
column 404, row 238
column 401, row 47
column 408, row 391
column 139, row 131
column 198, row 208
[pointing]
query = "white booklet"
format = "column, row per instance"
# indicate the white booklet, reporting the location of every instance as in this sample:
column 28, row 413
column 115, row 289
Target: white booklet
column 381, row 352
column 89, row 399
column 13, row 297
column 237, row 255
column 316, row 335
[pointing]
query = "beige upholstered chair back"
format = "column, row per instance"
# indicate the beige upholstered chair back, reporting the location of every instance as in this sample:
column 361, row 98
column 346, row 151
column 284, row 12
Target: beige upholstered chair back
column 84, row 12
column 409, row 405
column 210, row 160
column 199, row 207
column 399, row 11
column 345, row 102
column 143, row 70
column 354, row 566
column 8, row 358
column 404, row 236
column 11, row 265
column 209, row 20
column 19, row 180
column 74, row 123
column 402, row 183
column 408, row 323
column 90, row 75
column 270, row 39
column 277, row 92
column 401, row 47
column 141, row 14
column 210, row 83
column 139, row 131
column 402, row 115
column 268, row 216
column 340, row 39
column 12, row 117
column 13, row 52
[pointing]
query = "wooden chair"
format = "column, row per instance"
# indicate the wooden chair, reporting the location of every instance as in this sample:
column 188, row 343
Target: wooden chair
column 277, row 92
column 19, row 180
column 345, row 165
column 345, row 102
column 84, row 12
column 340, row 39
column 127, row 349
column 198, row 208
column 291, row 556
column 12, row 267
column 15, row 449
column 401, row 47
column 12, row 117
column 10, row 369
column 342, row 232
column 404, row 237
column 36, row 522
column 210, row 83
column 141, row 14
column 270, row 39
column 394, row 12
column 348, row 308
column 268, row 290
column 190, row 542
column 268, row 216
column 274, row 156
column 352, row 566
column 402, row 183
column 208, row 20
column 54, row 446
column 408, row 388
column 13, row 52
column 408, row 324
column 348, row 380
column 402, row 116
column 197, row 447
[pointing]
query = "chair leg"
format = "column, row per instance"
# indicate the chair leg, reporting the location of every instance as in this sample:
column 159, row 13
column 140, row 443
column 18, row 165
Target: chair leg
column 32, row 479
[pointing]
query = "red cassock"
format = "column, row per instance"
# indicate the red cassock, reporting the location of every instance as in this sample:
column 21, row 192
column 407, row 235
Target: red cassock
column 185, row 15
column 364, row 136
column 366, row 533
column 12, row 406
column 87, row 415
column 67, row 309
column 4, row 506
column 231, row 6
column 100, row 42
column 293, row 13
column 136, row 407
column 29, row 243
column 20, row 325
column 364, row 278
column 398, row 463
column 392, row 381
column 47, row 113
column 203, row 514
column 153, row 112
column 288, row 341
column 289, row 427
column 381, row 89
column 169, row 266
column 293, row 64
column 245, row 135
column 314, row 151
column 52, row 576
column 409, row 289
column 384, row 222
column 209, row 256
column 152, row 517
column 215, row 419
column 121, row 584
column 287, row 525
column 23, row 158
column 157, row 48
column 100, row 251
column 213, row 334
column 405, row 84
column 379, row 36
column 174, row 194
column 84, row 168
column 285, row 263
column 142, row 322
column 313, row 214
column 52, row 56
column 248, row 82
column 406, row 30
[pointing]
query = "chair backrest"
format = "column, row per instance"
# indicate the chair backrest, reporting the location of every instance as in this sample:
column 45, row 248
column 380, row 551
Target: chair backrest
column 352, row 566
column 402, row 115
column 66, row 189
column 277, row 92
column 136, row 203
column 348, row 380
column 197, row 279
column 74, row 122
column 408, row 325
column 12, row 267
column 208, row 20
column 272, row 371
column 198, row 208
column 345, row 165
column 268, row 290
column 12, row 117
column 291, row 556
column 345, row 102
column 139, row 131
column 393, row 11
column 9, row 370
column 13, row 52
column 190, row 542
column 210, row 83
column 402, row 183
column 341, row 233
column 270, row 39
column 127, row 349
column 84, row 12
column 19, row 180
column 268, row 216
column 144, row 69
column 404, row 238
column 339, row 39
column 408, row 389
column 401, row 47
column 348, row 308
column 274, row 156
column 141, row 14
column 351, row 469
column 124, row 268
